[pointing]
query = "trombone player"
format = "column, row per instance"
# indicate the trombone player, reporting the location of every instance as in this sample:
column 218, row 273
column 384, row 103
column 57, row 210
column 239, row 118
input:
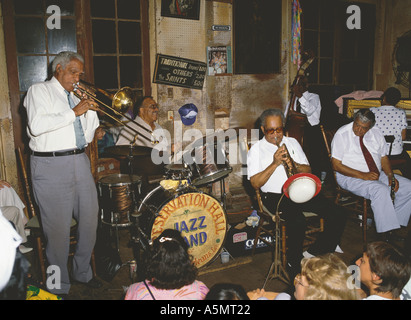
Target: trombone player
column 60, row 126
column 267, row 169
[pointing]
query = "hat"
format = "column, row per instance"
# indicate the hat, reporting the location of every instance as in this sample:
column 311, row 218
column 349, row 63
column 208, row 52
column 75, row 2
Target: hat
column 188, row 114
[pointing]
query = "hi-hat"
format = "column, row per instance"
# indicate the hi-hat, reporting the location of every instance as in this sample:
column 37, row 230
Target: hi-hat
column 126, row 150
column 302, row 187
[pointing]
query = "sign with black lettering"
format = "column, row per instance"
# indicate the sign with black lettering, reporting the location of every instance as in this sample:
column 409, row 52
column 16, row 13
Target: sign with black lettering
column 179, row 72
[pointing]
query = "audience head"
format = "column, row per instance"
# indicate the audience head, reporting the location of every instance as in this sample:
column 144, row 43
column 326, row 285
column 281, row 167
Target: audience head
column 324, row 278
column 384, row 269
column 170, row 266
column 227, row 291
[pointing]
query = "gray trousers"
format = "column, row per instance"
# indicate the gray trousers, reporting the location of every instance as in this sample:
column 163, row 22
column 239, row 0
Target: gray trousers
column 64, row 188
column 387, row 216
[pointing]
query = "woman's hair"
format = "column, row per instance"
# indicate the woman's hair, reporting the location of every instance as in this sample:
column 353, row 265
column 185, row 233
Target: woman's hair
column 169, row 266
column 328, row 279
column 63, row 58
column 392, row 267
column 227, row 291
column 392, row 96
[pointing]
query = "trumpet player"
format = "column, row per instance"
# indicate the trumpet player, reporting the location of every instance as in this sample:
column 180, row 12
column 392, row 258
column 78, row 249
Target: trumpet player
column 269, row 165
column 60, row 126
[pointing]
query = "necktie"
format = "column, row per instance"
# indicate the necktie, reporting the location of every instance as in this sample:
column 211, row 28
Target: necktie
column 298, row 107
column 78, row 129
column 368, row 158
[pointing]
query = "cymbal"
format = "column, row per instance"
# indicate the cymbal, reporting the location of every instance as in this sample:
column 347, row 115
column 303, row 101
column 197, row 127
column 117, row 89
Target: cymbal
column 126, row 150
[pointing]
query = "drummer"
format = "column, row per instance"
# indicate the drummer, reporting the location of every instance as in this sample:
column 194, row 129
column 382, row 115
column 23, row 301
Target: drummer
column 154, row 136
column 147, row 115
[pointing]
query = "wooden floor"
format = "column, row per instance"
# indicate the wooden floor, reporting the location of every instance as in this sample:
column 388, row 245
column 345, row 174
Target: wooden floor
column 248, row 271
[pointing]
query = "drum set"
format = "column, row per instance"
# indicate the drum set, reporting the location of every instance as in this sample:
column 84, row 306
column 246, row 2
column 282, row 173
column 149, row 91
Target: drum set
column 177, row 201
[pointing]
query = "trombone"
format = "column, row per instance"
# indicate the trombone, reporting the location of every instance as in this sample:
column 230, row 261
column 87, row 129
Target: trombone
column 122, row 100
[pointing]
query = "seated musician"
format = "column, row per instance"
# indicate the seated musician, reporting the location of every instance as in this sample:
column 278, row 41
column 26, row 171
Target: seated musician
column 393, row 121
column 266, row 172
column 369, row 174
column 147, row 165
column 147, row 116
column 309, row 104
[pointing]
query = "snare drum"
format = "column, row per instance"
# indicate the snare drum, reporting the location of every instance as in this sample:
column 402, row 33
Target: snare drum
column 118, row 194
column 198, row 216
column 210, row 164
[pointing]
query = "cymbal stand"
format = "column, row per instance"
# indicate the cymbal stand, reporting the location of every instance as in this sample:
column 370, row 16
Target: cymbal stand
column 223, row 193
column 277, row 270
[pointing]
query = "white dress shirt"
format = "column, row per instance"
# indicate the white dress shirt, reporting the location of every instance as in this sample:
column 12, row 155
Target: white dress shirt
column 126, row 135
column 310, row 106
column 346, row 147
column 50, row 118
column 392, row 121
column 261, row 155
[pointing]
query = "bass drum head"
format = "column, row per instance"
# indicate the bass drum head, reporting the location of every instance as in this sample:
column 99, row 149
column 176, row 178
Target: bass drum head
column 201, row 220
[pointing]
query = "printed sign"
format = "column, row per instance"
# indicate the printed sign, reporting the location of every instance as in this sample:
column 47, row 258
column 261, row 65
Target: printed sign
column 201, row 220
column 179, row 72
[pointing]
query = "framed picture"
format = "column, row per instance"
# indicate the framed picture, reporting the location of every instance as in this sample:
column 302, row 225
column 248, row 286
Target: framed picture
column 219, row 60
column 183, row 9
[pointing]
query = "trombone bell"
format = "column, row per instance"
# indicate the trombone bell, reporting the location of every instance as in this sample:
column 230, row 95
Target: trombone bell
column 123, row 100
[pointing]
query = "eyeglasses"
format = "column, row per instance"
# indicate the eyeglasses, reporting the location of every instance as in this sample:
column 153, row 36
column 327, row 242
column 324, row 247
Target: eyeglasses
column 153, row 107
column 297, row 280
column 272, row 130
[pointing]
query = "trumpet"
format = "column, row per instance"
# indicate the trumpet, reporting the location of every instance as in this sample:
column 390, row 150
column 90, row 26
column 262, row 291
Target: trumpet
column 122, row 100
column 290, row 170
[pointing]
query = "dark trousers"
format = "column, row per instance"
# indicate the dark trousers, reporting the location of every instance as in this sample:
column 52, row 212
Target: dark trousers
column 296, row 224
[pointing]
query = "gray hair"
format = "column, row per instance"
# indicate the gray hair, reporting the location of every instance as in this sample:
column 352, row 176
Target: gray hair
column 365, row 116
column 64, row 57
column 270, row 113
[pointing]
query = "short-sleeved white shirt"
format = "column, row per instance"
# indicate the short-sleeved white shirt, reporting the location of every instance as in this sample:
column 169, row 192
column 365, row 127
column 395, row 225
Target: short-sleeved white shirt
column 391, row 121
column 346, row 147
column 261, row 156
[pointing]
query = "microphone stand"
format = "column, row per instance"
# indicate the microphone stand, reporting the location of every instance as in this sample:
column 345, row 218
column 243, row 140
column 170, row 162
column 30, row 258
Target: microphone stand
column 277, row 270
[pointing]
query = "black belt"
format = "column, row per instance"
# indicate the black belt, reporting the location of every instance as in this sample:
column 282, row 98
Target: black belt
column 56, row 153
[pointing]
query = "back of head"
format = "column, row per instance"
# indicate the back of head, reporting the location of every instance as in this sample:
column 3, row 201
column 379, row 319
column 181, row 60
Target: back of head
column 328, row 279
column 390, row 265
column 227, row 291
column 392, row 96
column 169, row 266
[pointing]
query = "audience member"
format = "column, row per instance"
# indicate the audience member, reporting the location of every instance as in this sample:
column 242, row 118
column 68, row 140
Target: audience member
column 384, row 270
column 227, row 291
column 170, row 272
column 323, row 277
column 12, row 208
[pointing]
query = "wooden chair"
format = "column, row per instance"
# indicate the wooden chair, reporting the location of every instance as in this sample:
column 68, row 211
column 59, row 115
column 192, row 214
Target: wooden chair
column 35, row 227
column 357, row 204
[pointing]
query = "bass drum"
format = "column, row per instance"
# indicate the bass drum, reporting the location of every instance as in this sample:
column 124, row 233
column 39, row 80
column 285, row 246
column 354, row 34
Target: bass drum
column 199, row 217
